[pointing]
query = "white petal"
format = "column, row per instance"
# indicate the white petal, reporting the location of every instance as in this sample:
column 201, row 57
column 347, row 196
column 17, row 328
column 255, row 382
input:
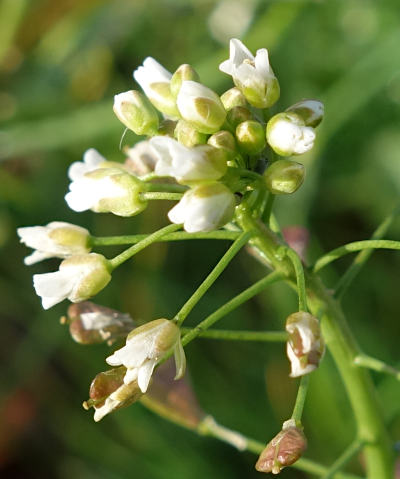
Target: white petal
column 144, row 374
column 262, row 63
column 109, row 406
column 238, row 52
column 37, row 256
column 93, row 158
column 53, row 287
column 177, row 214
column 130, row 375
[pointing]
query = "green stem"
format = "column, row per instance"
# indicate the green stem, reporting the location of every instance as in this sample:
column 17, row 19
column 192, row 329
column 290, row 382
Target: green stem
column 266, row 217
column 301, row 284
column 231, row 305
column 301, row 398
column 177, row 236
column 268, row 336
column 161, row 195
column 343, row 347
column 152, row 238
column 364, row 255
column 347, row 455
column 353, row 247
column 166, row 187
column 211, row 278
column 369, row 362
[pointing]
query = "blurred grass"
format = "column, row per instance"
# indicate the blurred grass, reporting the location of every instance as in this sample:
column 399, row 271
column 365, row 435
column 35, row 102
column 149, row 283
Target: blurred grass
column 60, row 65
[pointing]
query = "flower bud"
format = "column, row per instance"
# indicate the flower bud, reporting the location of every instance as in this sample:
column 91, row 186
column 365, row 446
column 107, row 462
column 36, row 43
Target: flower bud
column 204, row 208
column 288, row 135
column 141, row 158
column 167, row 127
column 305, row 346
column 237, row 115
column 184, row 73
column 283, row 450
column 201, row 107
column 284, row 177
column 187, row 135
column 91, row 323
column 233, row 97
column 108, row 392
column 250, row 137
column 310, row 111
column 57, row 239
column 188, row 165
column 135, row 111
column 79, row 277
column 225, row 141
column 145, row 346
column 252, row 75
column 107, row 190
column 155, row 82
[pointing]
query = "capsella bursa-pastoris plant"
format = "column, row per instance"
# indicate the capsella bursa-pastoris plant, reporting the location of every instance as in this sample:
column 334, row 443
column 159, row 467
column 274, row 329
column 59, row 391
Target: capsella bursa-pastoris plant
column 223, row 161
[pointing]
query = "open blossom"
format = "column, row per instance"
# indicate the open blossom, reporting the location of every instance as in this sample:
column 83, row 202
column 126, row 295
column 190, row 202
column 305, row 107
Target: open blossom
column 155, row 81
column 145, row 346
column 252, row 75
column 55, row 240
column 79, row 277
column 107, row 190
column 187, row 165
column 204, row 208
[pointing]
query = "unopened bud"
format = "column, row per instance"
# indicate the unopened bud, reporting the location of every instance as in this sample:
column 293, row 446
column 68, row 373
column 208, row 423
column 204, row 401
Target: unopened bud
column 224, row 140
column 237, row 115
column 201, row 107
column 91, row 323
column 311, row 111
column 233, row 97
column 284, row 177
column 283, row 450
column 184, row 73
column 305, row 346
column 187, row 135
column 250, row 137
column 135, row 111
column 167, row 128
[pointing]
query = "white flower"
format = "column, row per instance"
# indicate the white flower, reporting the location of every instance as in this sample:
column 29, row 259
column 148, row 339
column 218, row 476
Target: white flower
column 135, row 111
column 305, row 346
column 106, row 190
column 141, row 158
column 201, row 107
column 145, row 346
column 204, row 208
column 92, row 160
column 155, row 82
column 57, row 239
column 78, row 278
column 287, row 134
column 252, row 75
column 185, row 164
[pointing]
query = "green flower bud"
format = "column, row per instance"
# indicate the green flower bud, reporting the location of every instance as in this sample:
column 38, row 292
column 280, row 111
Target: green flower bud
column 201, row 107
column 184, row 73
column 187, row 135
column 310, row 111
column 233, row 97
column 284, row 177
column 283, row 450
column 237, row 115
column 250, row 137
column 135, row 111
column 224, row 140
column 167, row 128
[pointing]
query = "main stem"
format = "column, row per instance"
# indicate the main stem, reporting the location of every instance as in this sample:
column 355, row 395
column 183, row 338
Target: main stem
column 342, row 345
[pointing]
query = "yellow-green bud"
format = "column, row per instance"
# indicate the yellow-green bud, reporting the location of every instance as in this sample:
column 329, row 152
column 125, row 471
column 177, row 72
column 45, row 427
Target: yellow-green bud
column 311, row 111
column 250, row 137
column 184, row 73
column 167, row 128
column 224, row 140
column 238, row 114
column 284, row 177
column 187, row 135
column 233, row 97
column 135, row 111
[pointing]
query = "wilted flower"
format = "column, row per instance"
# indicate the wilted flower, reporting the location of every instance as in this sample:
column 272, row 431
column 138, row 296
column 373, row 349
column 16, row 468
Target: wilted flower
column 201, row 107
column 305, row 346
column 288, row 135
column 204, row 208
column 155, row 82
column 185, row 164
column 79, row 277
column 55, row 240
column 283, row 450
column 252, row 75
column 144, row 348
column 107, row 190
column 91, row 323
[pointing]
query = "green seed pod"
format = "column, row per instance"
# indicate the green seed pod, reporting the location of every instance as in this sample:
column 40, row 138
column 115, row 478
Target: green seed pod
column 250, row 137
column 284, row 177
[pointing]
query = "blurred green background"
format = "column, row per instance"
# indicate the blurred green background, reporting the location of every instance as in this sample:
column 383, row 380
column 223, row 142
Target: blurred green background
column 61, row 62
